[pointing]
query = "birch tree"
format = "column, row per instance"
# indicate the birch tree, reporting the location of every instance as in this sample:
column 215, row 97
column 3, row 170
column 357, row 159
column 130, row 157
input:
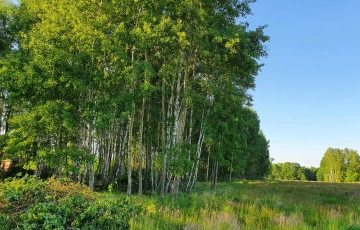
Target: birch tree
column 100, row 90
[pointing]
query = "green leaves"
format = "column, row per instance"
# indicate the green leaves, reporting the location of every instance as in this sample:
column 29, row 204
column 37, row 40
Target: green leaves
column 181, row 155
column 61, row 204
column 6, row 38
column 338, row 165
column 82, row 69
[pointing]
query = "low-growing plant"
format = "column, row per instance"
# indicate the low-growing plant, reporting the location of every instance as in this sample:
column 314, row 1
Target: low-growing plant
column 28, row 203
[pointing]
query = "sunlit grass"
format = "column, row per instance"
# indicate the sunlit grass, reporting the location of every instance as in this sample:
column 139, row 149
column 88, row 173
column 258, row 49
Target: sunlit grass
column 255, row 205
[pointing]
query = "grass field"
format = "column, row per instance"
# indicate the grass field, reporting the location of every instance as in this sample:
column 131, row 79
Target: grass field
column 255, row 205
column 27, row 203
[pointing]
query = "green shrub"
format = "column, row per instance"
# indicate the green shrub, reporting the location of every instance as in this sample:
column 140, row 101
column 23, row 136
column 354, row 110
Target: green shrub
column 60, row 204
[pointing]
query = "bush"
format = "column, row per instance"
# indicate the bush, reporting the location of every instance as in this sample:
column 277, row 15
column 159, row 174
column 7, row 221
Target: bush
column 60, row 204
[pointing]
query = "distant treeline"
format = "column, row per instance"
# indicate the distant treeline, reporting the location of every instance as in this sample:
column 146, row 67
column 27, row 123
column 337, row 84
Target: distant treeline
column 292, row 171
column 337, row 165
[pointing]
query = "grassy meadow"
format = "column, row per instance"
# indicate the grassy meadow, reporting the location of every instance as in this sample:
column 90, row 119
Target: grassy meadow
column 255, row 205
column 27, row 203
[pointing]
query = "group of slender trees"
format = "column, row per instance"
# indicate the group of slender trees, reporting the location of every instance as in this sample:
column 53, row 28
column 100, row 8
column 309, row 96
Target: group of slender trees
column 156, row 92
column 339, row 165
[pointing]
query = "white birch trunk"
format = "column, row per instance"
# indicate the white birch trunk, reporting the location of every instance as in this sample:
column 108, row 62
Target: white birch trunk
column 208, row 165
column 91, row 165
column 130, row 149
column 141, row 146
column 163, row 172
column 108, row 155
column 198, row 154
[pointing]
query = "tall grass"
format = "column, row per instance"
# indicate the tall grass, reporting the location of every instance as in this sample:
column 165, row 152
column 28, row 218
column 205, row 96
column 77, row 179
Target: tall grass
column 27, row 203
column 256, row 205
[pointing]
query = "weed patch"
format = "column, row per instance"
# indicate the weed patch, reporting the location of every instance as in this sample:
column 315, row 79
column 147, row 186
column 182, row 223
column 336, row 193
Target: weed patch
column 28, row 203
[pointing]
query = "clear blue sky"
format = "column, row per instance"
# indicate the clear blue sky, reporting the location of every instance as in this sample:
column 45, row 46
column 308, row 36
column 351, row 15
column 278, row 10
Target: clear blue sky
column 308, row 93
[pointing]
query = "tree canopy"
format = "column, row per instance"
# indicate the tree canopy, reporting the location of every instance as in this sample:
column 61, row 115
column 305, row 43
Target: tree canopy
column 92, row 90
column 339, row 165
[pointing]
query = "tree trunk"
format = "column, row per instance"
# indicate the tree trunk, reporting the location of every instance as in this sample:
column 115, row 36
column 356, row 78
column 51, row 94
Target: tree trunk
column 123, row 150
column 2, row 106
column 231, row 164
column 163, row 141
column 168, row 183
column 58, row 144
column 107, row 153
column 39, row 169
column 198, row 154
column 175, row 187
column 91, row 165
column 214, row 177
column 91, row 177
column 116, row 165
column 178, row 121
column 208, row 166
column 7, row 117
column 141, row 145
column 192, row 166
column 130, row 149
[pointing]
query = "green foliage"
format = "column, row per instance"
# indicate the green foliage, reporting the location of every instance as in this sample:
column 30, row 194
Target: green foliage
column 289, row 170
column 310, row 173
column 78, row 72
column 5, row 33
column 339, row 165
column 237, row 141
column 292, row 171
column 180, row 155
column 61, row 204
column 352, row 159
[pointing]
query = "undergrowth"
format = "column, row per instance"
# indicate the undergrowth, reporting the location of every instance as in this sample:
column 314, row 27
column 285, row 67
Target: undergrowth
column 28, row 203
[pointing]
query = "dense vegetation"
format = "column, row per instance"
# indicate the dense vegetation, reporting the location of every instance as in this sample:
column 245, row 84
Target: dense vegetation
column 339, row 165
column 155, row 93
column 28, row 203
column 292, row 171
